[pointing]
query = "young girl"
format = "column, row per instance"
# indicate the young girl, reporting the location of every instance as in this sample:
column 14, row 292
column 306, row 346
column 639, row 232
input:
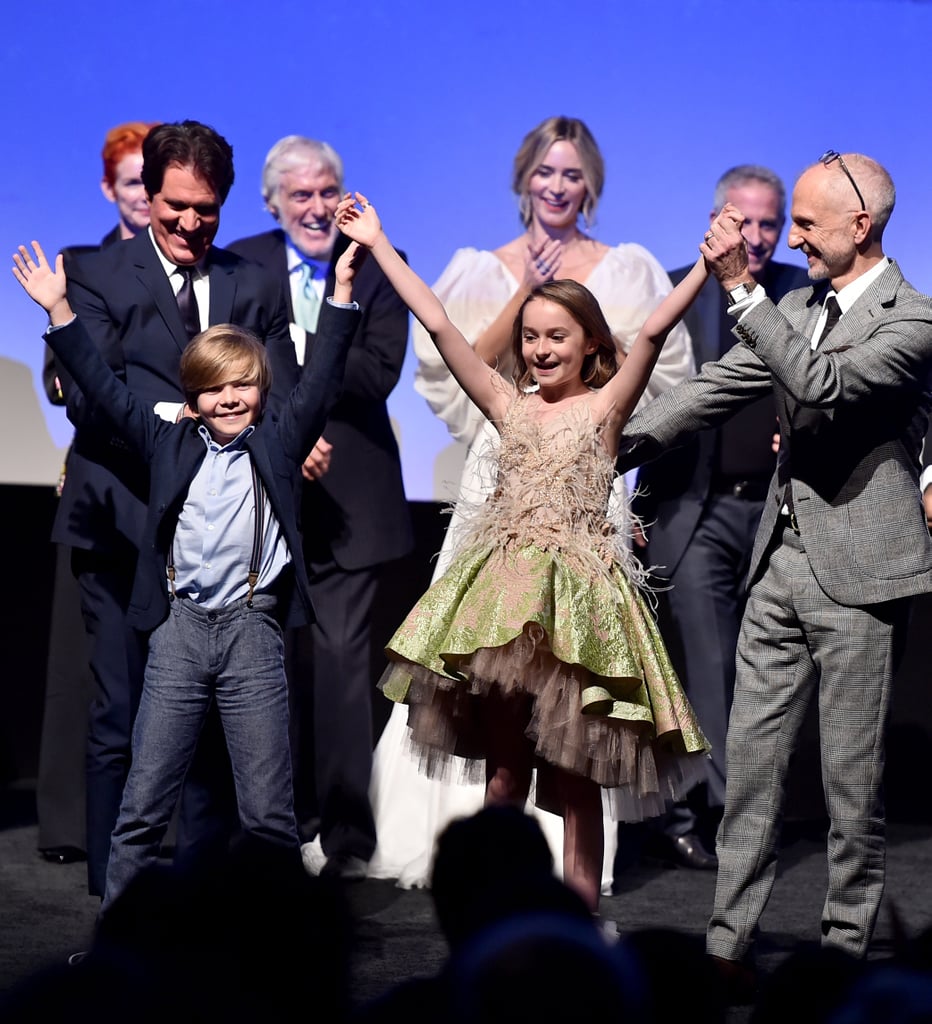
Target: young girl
column 535, row 648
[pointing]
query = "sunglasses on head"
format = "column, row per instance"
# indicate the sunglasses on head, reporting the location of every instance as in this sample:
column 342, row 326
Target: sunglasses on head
column 829, row 157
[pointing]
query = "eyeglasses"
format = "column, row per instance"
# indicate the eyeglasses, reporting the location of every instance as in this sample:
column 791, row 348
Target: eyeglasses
column 829, row 157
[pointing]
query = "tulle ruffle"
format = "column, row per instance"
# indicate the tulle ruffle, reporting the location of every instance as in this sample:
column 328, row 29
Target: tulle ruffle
column 540, row 607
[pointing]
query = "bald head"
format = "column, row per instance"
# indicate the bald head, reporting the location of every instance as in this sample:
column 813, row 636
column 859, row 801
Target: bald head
column 841, row 240
column 863, row 175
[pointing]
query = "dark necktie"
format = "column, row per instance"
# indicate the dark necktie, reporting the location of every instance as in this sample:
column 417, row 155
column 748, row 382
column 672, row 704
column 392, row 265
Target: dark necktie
column 833, row 315
column 187, row 303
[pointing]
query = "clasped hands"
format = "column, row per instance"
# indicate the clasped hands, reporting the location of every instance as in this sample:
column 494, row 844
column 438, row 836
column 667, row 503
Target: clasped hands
column 724, row 247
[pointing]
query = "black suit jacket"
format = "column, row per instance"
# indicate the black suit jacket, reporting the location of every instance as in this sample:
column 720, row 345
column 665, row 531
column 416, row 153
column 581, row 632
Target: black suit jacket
column 357, row 512
column 672, row 490
column 173, row 452
column 126, row 303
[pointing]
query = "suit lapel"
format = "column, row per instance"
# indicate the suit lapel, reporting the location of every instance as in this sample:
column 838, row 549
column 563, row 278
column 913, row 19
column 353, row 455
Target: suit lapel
column 222, row 292
column 868, row 309
column 812, row 307
column 259, row 453
column 151, row 275
column 276, row 259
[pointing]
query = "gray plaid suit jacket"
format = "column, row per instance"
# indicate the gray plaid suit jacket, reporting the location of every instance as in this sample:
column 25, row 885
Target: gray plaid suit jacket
column 853, row 415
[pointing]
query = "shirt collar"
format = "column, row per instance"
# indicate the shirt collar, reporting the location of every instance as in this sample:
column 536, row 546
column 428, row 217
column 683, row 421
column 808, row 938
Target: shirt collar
column 170, row 267
column 295, row 259
column 238, row 442
column 856, row 288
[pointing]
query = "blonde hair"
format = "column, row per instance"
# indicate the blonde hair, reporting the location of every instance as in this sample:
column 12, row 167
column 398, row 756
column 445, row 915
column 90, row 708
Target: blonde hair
column 533, row 150
column 220, row 354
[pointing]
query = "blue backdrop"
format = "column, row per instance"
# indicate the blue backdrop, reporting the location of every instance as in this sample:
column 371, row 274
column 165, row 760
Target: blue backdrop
column 427, row 109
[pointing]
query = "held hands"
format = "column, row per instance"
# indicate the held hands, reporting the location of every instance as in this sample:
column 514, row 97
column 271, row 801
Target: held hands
column 725, row 249
column 41, row 283
column 356, row 217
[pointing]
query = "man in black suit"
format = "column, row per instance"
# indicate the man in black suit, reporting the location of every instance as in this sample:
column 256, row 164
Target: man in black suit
column 125, row 296
column 69, row 682
column 355, row 516
column 702, row 504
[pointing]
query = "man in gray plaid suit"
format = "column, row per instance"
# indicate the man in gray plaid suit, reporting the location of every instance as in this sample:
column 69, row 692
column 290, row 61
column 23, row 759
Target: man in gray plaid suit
column 842, row 544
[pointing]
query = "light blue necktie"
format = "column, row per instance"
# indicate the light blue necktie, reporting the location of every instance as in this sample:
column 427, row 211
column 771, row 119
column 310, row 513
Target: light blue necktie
column 307, row 301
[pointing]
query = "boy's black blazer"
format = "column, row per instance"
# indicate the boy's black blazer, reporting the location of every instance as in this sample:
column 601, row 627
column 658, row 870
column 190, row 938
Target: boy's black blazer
column 175, row 451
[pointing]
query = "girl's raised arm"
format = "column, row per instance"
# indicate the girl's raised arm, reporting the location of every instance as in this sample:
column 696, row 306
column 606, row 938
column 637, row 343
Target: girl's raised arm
column 356, row 217
column 621, row 394
column 618, row 398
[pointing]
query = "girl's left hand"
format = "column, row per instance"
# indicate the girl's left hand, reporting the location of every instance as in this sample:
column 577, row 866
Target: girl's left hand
column 356, row 217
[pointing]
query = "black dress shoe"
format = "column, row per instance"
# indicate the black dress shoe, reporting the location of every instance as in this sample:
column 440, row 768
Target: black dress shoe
column 738, row 980
column 690, row 853
column 345, row 867
column 62, row 854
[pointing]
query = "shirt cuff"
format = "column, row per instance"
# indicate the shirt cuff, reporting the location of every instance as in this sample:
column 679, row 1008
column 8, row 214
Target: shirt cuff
column 52, row 328
column 342, row 305
column 925, row 479
column 168, row 411
column 756, row 297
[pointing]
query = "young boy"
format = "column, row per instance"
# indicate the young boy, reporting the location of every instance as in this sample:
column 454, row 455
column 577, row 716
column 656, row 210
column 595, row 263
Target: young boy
column 220, row 569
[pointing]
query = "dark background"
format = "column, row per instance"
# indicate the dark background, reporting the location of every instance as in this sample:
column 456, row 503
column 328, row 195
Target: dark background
column 25, row 591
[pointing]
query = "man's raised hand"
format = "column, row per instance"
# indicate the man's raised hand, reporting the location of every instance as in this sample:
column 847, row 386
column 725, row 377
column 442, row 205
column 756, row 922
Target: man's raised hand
column 40, row 282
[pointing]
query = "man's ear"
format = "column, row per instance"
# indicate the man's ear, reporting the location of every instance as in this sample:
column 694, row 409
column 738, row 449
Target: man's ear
column 863, row 228
column 274, row 211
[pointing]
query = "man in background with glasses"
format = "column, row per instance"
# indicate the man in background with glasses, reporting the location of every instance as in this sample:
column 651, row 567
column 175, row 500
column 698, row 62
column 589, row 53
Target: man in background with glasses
column 703, row 502
column 842, row 544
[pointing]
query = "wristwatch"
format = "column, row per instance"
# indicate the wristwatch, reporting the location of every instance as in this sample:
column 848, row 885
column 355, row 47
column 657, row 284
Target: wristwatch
column 740, row 292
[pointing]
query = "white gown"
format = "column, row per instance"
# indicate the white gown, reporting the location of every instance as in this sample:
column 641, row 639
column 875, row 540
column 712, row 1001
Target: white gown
column 410, row 809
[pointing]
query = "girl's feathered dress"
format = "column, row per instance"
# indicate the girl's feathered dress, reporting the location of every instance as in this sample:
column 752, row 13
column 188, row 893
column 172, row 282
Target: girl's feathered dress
column 541, row 603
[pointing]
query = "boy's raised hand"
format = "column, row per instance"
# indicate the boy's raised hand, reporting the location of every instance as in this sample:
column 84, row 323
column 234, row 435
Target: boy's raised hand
column 356, row 217
column 41, row 283
column 349, row 263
